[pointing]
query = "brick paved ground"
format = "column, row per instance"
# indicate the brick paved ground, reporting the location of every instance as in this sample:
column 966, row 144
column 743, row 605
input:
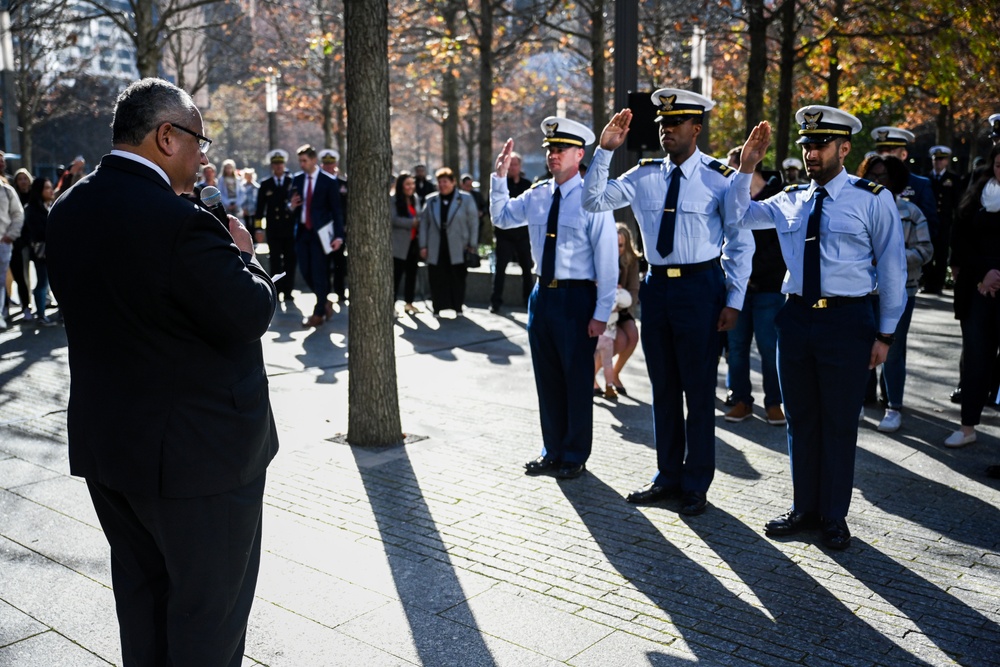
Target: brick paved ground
column 443, row 553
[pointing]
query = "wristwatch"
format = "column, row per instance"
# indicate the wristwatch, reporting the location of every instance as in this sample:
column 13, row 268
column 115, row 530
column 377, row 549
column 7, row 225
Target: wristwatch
column 888, row 339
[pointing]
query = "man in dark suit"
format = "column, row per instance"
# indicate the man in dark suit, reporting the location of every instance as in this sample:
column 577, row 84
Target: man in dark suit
column 315, row 204
column 272, row 205
column 169, row 418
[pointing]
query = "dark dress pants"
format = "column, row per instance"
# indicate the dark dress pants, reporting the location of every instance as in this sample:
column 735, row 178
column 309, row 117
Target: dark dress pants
column 314, row 265
column 681, row 343
column 980, row 336
column 184, row 572
column 562, row 355
column 512, row 245
column 408, row 268
column 282, row 260
column 823, row 356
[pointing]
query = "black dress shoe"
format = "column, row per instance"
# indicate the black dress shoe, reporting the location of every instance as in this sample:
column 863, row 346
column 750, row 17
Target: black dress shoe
column 621, row 390
column 791, row 522
column 540, row 466
column 598, row 391
column 569, row 470
column 836, row 535
column 956, row 396
column 652, row 493
column 694, row 503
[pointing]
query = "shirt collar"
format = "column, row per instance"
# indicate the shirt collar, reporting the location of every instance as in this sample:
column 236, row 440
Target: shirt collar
column 689, row 165
column 833, row 187
column 135, row 157
column 568, row 186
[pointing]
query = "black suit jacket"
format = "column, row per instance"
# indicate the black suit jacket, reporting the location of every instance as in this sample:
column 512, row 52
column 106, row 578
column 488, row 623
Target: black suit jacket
column 326, row 204
column 164, row 316
column 272, row 203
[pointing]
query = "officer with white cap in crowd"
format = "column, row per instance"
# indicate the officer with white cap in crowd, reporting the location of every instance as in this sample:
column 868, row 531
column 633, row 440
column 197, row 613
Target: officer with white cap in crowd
column 841, row 236
column 689, row 296
column 947, row 187
column 576, row 258
column 891, row 140
column 994, row 122
column 329, row 162
column 272, row 206
column 792, row 171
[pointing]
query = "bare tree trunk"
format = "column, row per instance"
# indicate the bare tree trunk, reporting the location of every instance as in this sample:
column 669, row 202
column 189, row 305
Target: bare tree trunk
column 147, row 49
column 373, row 401
column 945, row 125
column 833, row 81
column 485, row 100
column 757, row 64
column 786, row 77
column 449, row 95
column 599, row 63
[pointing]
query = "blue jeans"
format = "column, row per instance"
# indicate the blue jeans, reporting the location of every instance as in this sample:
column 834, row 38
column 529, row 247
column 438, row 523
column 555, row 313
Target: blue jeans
column 756, row 320
column 894, row 368
column 42, row 286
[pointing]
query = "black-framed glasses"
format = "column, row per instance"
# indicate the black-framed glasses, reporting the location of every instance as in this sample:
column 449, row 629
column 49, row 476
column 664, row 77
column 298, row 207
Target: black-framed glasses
column 204, row 143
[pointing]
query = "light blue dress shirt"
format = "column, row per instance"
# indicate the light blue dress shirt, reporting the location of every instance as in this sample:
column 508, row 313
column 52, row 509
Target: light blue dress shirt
column 861, row 238
column 586, row 243
column 703, row 227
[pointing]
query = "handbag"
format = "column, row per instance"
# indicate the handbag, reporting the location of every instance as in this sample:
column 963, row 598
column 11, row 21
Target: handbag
column 472, row 259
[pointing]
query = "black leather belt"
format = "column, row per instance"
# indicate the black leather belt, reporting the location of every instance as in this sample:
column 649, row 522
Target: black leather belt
column 562, row 282
column 681, row 270
column 830, row 301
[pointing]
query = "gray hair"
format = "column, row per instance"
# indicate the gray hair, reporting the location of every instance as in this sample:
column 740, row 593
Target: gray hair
column 144, row 106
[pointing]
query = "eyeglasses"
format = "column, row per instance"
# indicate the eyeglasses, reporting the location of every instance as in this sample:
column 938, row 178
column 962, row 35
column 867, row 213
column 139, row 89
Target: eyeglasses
column 204, row 143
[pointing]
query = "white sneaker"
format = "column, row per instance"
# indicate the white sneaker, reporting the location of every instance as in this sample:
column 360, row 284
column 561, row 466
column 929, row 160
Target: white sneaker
column 891, row 421
column 959, row 439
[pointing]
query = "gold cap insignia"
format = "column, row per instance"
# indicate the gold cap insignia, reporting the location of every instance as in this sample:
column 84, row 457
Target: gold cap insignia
column 667, row 102
column 812, row 120
column 550, row 129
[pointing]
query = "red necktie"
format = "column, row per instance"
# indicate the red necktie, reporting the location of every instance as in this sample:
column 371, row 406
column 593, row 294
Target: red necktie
column 309, row 198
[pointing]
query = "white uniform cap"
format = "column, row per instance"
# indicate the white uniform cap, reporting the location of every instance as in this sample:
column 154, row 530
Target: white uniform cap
column 277, row 155
column 995, row 123
column 887, row 136
column 819, row 124
column 792, row 162
column 674, row 105
column 940, row 151
column 565, row 132
column 328, row 155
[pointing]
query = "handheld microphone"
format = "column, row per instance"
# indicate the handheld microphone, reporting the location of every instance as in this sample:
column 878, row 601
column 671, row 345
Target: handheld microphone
column 211, row 199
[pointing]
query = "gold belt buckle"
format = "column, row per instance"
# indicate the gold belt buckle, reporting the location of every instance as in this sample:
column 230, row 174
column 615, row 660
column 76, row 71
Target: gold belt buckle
column 553, row 283
column 673, row 272
column 820, row 304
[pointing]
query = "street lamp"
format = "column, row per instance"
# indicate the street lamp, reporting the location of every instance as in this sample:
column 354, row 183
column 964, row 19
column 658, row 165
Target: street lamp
column 271, row 106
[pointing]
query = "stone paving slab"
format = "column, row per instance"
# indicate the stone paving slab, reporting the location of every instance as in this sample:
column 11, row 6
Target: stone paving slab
column 442, row 552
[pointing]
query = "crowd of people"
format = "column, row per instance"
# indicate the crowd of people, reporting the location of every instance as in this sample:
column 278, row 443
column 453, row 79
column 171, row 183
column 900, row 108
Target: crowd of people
column 713, row 269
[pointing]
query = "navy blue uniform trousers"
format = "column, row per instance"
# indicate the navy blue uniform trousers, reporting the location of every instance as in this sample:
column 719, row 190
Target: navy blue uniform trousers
column 681, row 342
column 184, row 572
column 823, row 356
column 562, row 354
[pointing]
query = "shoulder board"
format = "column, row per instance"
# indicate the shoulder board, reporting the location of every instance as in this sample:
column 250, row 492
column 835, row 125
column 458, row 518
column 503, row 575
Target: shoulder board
column 650, row 161
column 539, row 183
column 795, row 187
column 723, row 169
column 865, row 184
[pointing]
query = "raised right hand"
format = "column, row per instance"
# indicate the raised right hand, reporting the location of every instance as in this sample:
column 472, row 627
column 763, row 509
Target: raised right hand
column 503, row 160
column 755, row 147
column 616, row 130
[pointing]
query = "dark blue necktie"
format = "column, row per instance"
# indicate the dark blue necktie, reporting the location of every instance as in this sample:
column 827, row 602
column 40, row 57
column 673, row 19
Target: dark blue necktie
column 810, row 256
column 668, row 222
column 549, row 249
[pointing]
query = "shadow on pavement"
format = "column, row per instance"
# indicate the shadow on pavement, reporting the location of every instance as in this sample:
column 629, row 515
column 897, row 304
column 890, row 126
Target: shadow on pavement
column 426, row 585
column 802, row 618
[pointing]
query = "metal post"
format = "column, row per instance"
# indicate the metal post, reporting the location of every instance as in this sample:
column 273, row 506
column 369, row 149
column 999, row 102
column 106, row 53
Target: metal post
column 11, row 139
column 626, row 80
